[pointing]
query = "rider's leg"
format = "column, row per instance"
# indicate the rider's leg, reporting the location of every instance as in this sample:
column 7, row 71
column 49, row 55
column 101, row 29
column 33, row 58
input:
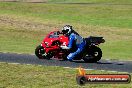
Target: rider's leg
column 71, row 56
column 78, row 51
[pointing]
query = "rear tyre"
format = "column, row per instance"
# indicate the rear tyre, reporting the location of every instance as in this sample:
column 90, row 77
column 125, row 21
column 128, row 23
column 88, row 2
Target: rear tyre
column 94, row 55
column 39, row 52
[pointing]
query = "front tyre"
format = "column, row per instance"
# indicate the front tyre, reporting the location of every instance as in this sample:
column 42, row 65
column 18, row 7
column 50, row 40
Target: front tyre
column 39, row 52
column 93, row 55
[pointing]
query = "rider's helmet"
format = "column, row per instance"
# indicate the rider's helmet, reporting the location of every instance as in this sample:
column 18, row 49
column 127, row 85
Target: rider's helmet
column 67, row 30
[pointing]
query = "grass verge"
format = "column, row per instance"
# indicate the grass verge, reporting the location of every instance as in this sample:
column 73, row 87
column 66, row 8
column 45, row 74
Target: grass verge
column 92, row 1
column 34, row 76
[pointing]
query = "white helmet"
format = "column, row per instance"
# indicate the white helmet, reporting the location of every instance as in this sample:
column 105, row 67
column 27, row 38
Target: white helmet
column 67, row 29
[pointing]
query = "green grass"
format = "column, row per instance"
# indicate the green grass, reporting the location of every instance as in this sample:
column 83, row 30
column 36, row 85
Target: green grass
column 34, row 76
column 19, row 41
column 24, row 25
column 120, row 50
column 92, row 1
column 104, row 15
column 78, row 1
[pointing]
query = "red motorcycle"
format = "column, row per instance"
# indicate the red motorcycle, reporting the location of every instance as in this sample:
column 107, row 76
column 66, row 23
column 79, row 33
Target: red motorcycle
column 50, row 47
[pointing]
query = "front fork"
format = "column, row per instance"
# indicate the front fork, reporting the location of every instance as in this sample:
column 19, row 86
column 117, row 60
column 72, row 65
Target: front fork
column 43, row 53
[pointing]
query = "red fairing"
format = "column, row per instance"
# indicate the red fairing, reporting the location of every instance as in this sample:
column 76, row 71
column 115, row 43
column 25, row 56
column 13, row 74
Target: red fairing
column 54, row 36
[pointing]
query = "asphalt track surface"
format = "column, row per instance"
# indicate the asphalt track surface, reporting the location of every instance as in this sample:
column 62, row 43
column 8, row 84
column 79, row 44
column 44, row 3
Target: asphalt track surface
column 121, row 66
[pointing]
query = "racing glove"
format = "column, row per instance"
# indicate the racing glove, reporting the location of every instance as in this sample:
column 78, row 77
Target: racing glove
column 64, row 47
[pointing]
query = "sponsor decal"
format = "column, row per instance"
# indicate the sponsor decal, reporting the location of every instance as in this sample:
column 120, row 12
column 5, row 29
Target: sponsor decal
column 83, row 78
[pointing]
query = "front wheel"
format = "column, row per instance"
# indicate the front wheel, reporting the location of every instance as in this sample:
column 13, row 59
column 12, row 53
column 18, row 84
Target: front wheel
column 94, row 54
column 39, row 52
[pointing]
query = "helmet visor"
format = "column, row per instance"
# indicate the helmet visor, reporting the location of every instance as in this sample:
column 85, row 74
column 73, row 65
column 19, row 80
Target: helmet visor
column 64, row 31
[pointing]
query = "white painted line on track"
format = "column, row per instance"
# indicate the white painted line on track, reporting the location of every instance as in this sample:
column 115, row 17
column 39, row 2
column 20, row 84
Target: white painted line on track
column 34, row 54
column 66, row 67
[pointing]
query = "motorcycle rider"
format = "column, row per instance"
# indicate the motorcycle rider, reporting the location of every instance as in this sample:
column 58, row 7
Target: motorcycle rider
column 74, row 38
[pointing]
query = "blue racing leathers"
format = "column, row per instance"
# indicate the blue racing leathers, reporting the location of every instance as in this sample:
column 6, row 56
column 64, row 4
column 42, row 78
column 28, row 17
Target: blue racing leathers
column 80, row 43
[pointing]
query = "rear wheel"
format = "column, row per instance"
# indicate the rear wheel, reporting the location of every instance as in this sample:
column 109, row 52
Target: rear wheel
column 93, row 55
column 40, row 52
